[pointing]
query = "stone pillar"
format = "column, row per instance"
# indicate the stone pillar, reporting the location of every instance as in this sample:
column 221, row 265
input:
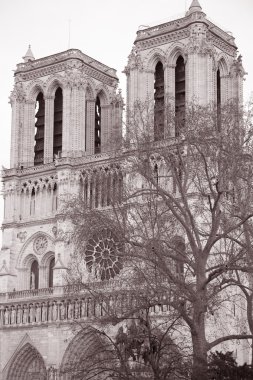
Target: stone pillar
column 15, row 135
column 90, row 126
column 49, row 129
column 106, row 122
column 66, row 122
column 169, row 91
column 27, row 157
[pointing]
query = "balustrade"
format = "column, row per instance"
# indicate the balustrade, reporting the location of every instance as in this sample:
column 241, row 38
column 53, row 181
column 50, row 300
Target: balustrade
column 70, row 307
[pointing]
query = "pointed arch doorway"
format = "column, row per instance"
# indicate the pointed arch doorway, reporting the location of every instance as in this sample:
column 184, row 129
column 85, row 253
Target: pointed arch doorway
column 27, row 364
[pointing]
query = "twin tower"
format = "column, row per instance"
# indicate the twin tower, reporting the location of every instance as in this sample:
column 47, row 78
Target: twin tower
column 66, row 125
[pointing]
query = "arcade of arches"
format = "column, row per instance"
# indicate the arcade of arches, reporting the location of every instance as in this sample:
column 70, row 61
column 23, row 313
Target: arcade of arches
column 28, row 363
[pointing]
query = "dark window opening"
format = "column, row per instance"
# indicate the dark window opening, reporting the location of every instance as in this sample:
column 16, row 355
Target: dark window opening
column 51, row 273
column 39, row 130
column 32, row 202
column 34, row 275
column 55, row 198
column 159, row 102
column 97, row 126
column 58, row 106
column 179, row 94
column 218, row 83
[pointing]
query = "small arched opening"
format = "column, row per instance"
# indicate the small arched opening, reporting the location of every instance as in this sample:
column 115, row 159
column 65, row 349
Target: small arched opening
column 34, row 275
column 218, row 98
column 58, row 110
column 51, row 273
column 97, row 125
column 39, row 130
column 179, row 93
column 159, row 102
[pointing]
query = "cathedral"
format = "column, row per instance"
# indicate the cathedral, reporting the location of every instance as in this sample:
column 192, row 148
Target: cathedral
column 66, row 124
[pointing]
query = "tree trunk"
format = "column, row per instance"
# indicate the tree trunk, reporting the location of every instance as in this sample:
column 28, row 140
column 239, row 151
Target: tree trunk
column 199, row 344
column 199, row 366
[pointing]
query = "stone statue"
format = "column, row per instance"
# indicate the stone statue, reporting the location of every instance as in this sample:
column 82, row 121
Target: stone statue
column 31, row 313
column 62, row 311
column 54, row 312
column 19, row 315
column 25, row 314
column 6, row 316
column 70, row 311
column 38, row 313
column 83, row 309
column 13, row 315
column 44, row 313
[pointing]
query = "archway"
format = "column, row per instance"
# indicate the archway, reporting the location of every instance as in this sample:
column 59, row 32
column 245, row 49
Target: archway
column 85, row 356
column 27, row 364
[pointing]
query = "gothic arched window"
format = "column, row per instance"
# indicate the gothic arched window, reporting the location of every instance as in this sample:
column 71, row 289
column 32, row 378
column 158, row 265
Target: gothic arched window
column 179, row 93
column 218, row 99
column 51, row 273
column 58, row 106
column 159, row 102
column 39, row 130
column 97, row 126
column 34, row 275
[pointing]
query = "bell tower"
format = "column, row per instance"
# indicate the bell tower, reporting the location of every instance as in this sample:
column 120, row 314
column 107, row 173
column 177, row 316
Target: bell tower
column 181, row 61
column 66, row 113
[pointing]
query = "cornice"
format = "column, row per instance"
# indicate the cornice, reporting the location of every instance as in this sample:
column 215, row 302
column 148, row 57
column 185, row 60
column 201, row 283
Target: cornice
column 163, row 39
column 63, row 56
column 63, row 61
column 29, row 223
column 179, row 29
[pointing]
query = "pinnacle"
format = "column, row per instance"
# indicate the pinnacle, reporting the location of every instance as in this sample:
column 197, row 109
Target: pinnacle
column 194, row 7
column 29, row 55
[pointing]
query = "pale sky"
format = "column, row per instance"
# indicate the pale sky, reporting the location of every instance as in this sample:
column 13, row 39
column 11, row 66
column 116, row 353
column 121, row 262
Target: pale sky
column 104, row 30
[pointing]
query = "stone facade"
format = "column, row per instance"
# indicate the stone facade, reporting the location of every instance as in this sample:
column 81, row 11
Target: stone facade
column 35, row 319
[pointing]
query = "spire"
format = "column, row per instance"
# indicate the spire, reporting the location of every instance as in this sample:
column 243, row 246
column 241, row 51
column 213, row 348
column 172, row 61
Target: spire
column 29, row 55
column 194, row 7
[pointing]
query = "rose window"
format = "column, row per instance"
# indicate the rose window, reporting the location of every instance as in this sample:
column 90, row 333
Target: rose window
column 104, row 254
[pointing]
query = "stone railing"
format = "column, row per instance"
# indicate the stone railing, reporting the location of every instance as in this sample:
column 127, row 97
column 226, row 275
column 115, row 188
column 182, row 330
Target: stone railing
column 72, row 307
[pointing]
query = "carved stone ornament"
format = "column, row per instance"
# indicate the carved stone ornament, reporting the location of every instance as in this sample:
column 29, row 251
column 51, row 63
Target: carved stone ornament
column 22, row 236
column 40, row 245
column 18, row 93
column 103, row 255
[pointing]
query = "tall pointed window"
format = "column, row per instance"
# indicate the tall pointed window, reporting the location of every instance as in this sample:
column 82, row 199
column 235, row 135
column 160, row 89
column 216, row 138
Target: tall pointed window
column 159, row 102
column 39, row 130
column 179, row 93
column 51, row 273
column 97, row 126
column 57, row 142
column 218, row 85
column 34, row 275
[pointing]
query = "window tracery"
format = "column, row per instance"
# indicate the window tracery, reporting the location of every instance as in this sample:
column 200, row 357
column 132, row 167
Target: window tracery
column 103, row 255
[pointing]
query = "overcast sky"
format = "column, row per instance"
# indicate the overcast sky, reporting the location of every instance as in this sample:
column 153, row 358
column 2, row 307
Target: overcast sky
column 103, row 29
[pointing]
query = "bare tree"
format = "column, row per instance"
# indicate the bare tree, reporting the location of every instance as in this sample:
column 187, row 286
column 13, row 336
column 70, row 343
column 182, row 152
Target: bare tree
column 141, row 348
column 179, row 223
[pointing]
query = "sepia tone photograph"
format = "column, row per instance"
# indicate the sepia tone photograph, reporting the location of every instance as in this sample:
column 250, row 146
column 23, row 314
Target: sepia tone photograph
column 126, row 210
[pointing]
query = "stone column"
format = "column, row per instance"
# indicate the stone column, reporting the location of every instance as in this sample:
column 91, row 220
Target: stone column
column 90, row 126
column 49, row 129
column 16, row 123
column 169, row 84
column 106, row 122
column 66, row 122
